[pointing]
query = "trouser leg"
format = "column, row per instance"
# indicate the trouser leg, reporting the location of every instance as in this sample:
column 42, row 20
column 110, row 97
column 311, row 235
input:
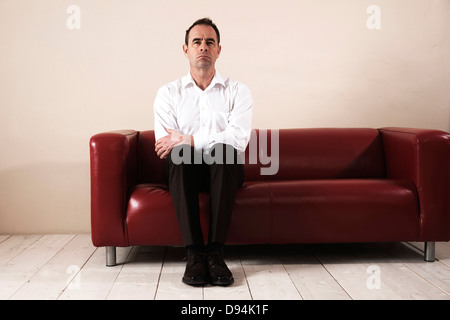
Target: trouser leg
column 182, row 180
column 222, row 174
column 227, row 176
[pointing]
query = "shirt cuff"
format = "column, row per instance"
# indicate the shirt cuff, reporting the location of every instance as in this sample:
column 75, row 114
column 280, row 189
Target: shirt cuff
column 199, row 142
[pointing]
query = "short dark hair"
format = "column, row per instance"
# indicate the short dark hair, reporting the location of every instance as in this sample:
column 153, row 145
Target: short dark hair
column 204, row 21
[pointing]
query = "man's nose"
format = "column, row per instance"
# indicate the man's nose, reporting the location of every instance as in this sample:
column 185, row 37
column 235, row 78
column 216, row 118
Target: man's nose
column 203, row 47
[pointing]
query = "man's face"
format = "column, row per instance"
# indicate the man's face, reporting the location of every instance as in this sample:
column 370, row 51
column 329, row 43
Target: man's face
column 202, row 49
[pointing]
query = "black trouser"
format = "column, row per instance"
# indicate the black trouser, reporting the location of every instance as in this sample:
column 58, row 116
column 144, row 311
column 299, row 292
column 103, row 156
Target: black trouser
column 221, row 173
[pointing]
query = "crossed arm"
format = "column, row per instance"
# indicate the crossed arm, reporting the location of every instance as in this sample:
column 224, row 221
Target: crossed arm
column 165, row 144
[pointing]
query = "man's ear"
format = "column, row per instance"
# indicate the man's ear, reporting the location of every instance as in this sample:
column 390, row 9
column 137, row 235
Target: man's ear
column 185, row 49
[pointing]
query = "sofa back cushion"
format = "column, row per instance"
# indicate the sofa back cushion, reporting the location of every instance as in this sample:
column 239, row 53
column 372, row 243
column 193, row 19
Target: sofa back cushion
column 316, row 153
column 150, row 166
column 287, row 154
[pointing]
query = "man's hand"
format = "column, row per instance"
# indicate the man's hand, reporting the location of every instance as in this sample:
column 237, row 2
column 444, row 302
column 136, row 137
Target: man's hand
column 164, row 145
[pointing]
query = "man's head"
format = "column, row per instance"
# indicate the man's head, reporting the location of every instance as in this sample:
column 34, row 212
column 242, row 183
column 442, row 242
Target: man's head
column 202, row 46
column 206, row 22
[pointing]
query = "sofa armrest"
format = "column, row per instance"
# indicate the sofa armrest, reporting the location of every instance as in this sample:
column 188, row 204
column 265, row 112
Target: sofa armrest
column 423, row 157
column 113, row 159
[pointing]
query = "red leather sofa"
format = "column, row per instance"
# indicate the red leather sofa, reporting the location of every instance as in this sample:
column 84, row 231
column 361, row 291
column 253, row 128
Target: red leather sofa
column 323, row 185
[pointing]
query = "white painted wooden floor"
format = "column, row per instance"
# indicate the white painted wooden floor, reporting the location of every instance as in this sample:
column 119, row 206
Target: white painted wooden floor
column 70, row 267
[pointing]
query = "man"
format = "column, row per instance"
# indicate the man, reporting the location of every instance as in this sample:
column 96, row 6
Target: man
column 205, row 120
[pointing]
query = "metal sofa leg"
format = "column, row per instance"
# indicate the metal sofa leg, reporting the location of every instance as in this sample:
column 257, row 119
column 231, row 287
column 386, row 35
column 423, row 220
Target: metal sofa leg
column 110, row 256
column 429, row 254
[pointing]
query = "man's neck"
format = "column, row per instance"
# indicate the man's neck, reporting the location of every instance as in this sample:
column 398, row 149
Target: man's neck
column 203, row 77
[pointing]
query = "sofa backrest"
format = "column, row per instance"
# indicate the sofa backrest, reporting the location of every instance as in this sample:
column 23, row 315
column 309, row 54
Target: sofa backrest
column 150, row 166
column 287, row 154
column 317, row 153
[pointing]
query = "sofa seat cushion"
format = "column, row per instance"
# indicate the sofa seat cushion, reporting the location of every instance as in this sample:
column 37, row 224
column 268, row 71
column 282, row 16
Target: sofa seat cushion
column 348, row 210
column 151, row 216
column 298, row 211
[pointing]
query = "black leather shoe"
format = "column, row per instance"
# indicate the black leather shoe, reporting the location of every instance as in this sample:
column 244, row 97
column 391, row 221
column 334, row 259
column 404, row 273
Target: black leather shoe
column 196, row 273
column 219, row 274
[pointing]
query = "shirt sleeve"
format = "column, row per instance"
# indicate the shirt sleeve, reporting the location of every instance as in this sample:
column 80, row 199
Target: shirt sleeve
column 164, row 113
column 200, row 143
column 238, row 130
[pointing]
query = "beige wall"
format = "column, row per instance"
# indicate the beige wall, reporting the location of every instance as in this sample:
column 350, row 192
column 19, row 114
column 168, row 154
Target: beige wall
column 308, row 63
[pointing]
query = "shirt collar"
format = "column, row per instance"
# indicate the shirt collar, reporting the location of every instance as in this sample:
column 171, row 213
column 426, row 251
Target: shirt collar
column 217, row 79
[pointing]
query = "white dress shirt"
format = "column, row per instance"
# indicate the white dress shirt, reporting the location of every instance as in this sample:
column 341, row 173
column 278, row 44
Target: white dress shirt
column 222, row 113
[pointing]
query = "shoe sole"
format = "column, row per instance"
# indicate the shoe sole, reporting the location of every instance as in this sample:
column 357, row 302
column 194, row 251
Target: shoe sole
column 222, row 282
column 195, row 283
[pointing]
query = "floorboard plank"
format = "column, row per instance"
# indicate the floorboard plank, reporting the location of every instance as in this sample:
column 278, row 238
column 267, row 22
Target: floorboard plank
column 139, row 276
column 266, row 276
column 443, row 252
column 15, row 245
column 366, row 272
column 356, row 271
column 3, row 237
column 95, row 279
column 435, row 273
column 17, row 271
column 170, row 285
column 309, row 276
column 53, row 278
